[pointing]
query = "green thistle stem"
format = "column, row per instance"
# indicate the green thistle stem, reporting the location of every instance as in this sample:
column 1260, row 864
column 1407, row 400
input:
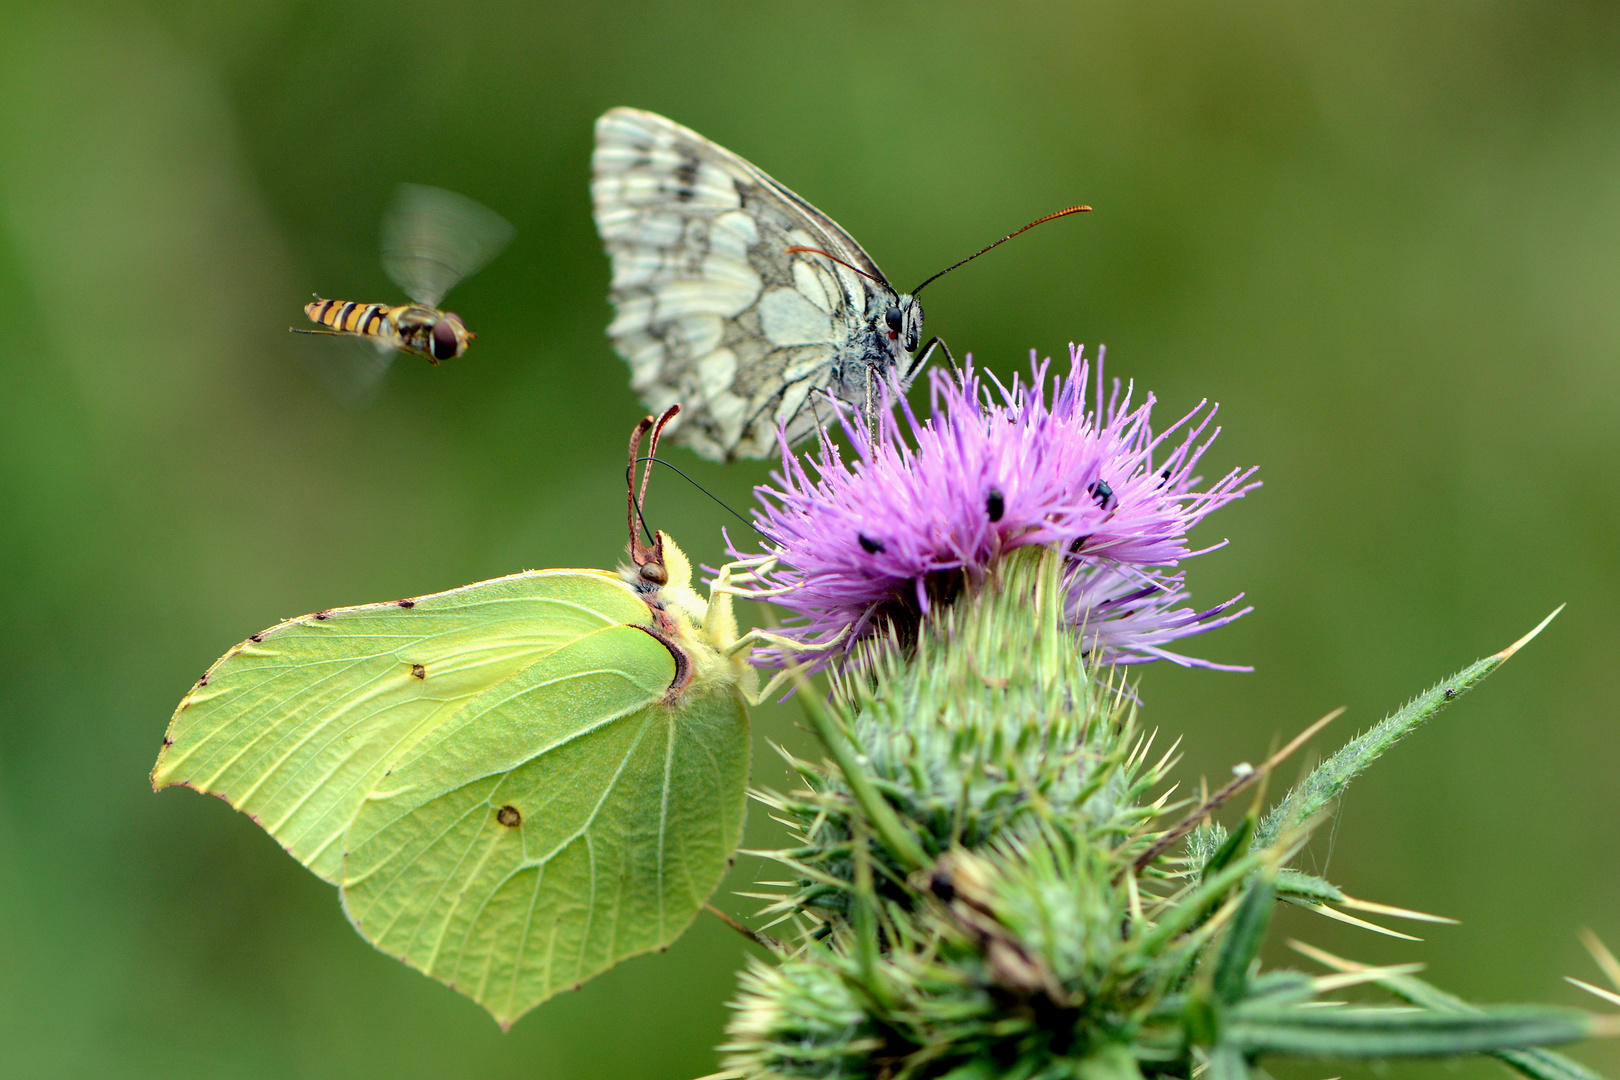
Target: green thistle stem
column 901, row 844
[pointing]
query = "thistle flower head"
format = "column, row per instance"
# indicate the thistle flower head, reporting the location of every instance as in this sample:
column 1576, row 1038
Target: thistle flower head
column 926, row 508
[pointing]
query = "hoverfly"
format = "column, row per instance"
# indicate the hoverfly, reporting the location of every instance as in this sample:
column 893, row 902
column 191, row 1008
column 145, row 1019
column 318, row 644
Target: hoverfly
column 431, row 239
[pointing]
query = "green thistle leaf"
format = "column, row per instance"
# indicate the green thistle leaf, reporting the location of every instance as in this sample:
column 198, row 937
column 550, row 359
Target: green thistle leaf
column 1244, row 938
column 1390, row 1032
column 1328, row 779
column 1535, row 1062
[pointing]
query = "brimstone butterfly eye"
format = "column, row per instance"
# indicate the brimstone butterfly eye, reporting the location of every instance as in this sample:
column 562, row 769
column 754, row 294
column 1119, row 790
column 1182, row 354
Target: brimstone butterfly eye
column 515, row 784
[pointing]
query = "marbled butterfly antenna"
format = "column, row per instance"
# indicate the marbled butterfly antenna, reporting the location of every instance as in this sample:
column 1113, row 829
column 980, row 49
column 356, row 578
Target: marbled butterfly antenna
column 1038, row 221
column 649, row 558
column 817, row 251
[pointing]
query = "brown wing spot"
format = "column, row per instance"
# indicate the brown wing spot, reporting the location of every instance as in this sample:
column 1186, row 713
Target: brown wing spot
column 419, row 671
column 407, row 603
column 509, row 816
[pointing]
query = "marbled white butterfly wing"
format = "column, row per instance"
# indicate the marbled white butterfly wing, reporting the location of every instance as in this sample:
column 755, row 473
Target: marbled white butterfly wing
column 713, row 309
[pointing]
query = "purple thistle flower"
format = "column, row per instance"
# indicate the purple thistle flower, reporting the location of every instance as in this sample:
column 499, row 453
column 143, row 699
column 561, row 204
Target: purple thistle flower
column 1129, row 617
column 857, row 545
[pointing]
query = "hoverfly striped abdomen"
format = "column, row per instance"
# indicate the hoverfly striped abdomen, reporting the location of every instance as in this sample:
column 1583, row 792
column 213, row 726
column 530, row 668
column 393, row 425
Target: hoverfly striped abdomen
column 347, row 317
column 427, row 332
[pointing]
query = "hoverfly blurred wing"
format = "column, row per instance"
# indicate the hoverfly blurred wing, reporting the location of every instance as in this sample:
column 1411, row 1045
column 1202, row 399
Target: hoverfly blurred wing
column 432, row 238
column 351, row 371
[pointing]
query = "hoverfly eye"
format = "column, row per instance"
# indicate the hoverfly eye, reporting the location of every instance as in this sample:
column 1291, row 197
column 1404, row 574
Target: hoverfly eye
column 444, row 340
column 892, row 317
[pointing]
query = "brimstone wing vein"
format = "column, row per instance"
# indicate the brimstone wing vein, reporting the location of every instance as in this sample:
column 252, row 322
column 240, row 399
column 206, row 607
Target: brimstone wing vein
column 591, row 790
column 296, row 727
column 392, row 887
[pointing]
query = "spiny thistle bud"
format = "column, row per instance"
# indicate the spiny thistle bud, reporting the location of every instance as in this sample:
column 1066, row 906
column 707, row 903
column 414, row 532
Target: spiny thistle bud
column 983, row 881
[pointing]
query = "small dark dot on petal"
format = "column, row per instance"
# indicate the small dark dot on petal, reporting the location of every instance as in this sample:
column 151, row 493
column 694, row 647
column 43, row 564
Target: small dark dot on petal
column 872, row 547
column 995, row 505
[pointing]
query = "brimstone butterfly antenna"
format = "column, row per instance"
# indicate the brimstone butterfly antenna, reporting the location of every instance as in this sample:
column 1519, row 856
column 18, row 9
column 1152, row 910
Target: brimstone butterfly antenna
column 515, row 784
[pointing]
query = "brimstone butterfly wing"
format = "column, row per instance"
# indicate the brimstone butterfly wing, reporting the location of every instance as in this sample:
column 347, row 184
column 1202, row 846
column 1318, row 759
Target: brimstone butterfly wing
column 515, row 784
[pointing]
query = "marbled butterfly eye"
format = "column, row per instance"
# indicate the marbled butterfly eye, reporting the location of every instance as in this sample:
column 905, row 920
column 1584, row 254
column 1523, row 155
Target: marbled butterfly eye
column 893, row 319
column 444, row 340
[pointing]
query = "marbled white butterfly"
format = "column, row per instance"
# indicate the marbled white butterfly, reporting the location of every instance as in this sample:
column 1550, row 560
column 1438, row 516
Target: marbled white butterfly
column 738, row 299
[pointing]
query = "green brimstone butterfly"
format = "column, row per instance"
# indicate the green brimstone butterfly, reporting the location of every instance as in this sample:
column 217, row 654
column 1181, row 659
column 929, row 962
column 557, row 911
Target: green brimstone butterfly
column 515, row 784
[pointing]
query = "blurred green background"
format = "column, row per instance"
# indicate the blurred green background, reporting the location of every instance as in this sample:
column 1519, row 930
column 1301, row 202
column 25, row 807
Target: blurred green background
column 1386, row 237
